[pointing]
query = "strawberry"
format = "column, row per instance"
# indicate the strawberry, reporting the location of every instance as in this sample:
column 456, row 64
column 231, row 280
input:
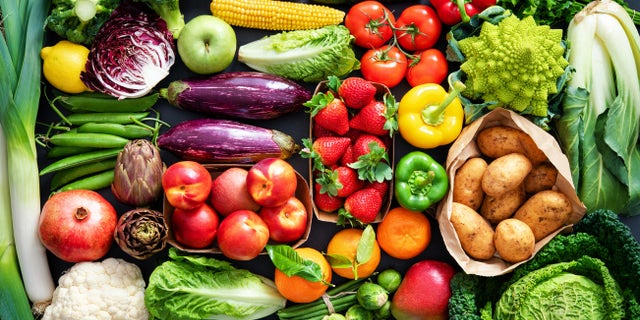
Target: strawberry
column 372, row 159
column 329, row 112
column 382, row 187
column 339, row 182
column 324, row 201
column 347, row 157
column 377, row 118
column 318, row 131
column 360, row 208
column 324, row 151
column 356, row 92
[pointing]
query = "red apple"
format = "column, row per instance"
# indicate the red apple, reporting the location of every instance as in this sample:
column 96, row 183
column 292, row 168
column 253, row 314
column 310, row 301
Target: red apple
column 242, row 235
column 229, row 192
column 424, row 291
column 195, row 228
column 186, row 184
column 77, row 225
column 287, row 222
column 271, row 182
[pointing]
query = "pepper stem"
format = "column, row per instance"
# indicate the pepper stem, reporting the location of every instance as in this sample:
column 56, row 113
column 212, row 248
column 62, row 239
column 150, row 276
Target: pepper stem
column 464, row 17
column 433, row 115
column 420, row 182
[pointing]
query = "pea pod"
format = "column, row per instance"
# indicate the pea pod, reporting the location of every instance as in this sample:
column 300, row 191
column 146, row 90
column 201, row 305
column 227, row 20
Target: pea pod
column 81, row 118
column 100, row 102
column 60, row 151
column 92, row 140
column 66, row 176
column 129, row 131
column 80, row 159
column 93, row 182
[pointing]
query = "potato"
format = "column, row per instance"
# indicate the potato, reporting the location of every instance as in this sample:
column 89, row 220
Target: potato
column 496, row 209
column 497, row 141
column 505, row 173
column 475, row 233
column 514, row 240
column 545, row 212
column 467, row 184
column 542, row 177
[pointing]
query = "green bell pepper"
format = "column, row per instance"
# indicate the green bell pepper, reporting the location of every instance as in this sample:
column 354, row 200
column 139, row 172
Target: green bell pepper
column 420, row 181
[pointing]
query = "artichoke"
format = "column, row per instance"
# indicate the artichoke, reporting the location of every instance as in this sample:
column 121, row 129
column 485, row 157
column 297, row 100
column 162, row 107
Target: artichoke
column 141, row 232
column 137, row 179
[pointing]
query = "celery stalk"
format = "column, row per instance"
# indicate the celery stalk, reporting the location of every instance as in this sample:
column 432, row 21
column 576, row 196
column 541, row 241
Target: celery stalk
column 20, row 75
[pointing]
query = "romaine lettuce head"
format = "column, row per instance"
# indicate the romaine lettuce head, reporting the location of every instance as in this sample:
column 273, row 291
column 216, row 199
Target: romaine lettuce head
column 196, row 287
column 304, row 55
column 579, row 289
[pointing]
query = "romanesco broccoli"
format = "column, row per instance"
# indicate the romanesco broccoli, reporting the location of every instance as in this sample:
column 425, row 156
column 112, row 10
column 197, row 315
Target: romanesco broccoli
column 515, row 63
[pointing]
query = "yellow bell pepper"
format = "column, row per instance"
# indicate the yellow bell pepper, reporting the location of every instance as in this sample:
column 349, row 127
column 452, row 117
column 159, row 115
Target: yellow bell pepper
column 429, row 116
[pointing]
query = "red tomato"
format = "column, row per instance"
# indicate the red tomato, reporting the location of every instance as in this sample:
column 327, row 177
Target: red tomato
column 386, row 65
column 370, row 23
column 418, row 28
column 430, row 66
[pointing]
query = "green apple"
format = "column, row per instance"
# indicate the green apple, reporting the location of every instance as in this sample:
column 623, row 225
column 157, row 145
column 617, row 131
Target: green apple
column 207, row 44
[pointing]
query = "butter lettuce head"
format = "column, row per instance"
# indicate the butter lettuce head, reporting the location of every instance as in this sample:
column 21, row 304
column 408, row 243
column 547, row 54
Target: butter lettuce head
column 303, row 55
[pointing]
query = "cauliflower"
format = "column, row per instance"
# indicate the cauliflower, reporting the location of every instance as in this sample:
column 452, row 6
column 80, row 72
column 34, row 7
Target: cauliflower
column 112, row 290
column 516, row 63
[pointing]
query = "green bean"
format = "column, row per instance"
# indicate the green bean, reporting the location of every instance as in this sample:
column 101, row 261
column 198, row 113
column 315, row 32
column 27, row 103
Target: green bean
column 100, row 102
column 79, row 159
column 129, row 131
column 63, row 177
column 93, row 140
column 60, row 151
column 78, row 119
column 93, row 182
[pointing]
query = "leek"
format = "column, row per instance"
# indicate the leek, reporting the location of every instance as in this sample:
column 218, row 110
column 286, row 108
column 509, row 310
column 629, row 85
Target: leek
column 20, row 75
column 599, row 127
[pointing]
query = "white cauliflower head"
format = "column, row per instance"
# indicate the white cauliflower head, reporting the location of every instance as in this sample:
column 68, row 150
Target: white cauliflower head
column 112, row 289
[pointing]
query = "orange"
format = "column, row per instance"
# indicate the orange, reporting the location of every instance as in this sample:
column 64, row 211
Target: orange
column 403, row 233
column 345, row 243
column 299, row 290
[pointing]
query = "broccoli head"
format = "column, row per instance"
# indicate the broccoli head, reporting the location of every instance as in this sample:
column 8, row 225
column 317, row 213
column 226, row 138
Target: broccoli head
column 169, row 11
column 79, row 20
column 514, row 63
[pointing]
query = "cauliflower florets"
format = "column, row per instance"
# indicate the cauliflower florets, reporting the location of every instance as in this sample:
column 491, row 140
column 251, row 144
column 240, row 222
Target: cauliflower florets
column 109, row 290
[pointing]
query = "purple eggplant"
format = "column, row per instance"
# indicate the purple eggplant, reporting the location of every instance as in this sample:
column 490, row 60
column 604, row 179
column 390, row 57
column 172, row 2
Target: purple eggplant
column 240, row 95
column 226, row 141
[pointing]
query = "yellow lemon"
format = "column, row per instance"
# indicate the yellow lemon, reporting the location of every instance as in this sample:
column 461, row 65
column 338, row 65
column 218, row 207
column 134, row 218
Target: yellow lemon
column 62, row 64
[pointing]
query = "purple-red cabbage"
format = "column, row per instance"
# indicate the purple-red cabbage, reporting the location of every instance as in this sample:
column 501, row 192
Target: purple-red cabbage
column 131, row 53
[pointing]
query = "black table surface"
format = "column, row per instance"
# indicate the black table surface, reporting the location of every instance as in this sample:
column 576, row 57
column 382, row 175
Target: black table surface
column 296, row 125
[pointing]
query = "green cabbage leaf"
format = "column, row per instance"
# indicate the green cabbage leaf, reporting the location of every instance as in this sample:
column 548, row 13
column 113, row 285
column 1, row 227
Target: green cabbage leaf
column 198, row 287
column 303, row 55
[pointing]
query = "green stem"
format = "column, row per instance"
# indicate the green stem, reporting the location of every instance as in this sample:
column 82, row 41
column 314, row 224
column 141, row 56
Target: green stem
column 433, row 115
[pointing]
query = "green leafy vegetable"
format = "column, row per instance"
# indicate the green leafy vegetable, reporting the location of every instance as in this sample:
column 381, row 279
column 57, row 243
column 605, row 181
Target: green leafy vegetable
column 79, row 20
column 305, row 55
column 599, row 127
column 199, row 287
column 554, row 12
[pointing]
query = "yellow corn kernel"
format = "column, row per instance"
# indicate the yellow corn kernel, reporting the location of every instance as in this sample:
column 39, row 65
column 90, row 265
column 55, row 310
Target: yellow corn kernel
column 275, row 15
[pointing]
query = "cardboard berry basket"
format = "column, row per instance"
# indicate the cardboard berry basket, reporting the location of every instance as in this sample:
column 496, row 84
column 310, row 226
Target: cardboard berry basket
column 302, row 193
column 381, row 90
column 465, row 147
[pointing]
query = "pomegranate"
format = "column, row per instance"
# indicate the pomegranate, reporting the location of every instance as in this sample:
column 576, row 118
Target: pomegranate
column 77, row 225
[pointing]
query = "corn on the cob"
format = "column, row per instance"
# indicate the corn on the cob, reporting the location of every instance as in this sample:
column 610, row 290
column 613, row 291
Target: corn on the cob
column 275, row 15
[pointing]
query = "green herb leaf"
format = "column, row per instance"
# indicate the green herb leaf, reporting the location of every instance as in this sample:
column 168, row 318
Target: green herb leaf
column 287, row 260
column 365, row 245
column 339, row 261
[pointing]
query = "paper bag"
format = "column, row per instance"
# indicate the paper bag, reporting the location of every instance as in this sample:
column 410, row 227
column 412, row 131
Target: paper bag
column 464, row 148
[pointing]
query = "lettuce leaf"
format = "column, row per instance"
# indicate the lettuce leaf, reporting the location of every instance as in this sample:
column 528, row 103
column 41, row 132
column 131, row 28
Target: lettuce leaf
column 198, row 287
column 303, row 55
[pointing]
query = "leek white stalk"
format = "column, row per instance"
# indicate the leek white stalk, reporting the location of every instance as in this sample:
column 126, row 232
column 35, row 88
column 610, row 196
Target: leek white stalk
column 20, row 75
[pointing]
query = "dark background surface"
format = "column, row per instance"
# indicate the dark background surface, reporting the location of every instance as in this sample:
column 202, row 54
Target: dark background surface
column 296, row 125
